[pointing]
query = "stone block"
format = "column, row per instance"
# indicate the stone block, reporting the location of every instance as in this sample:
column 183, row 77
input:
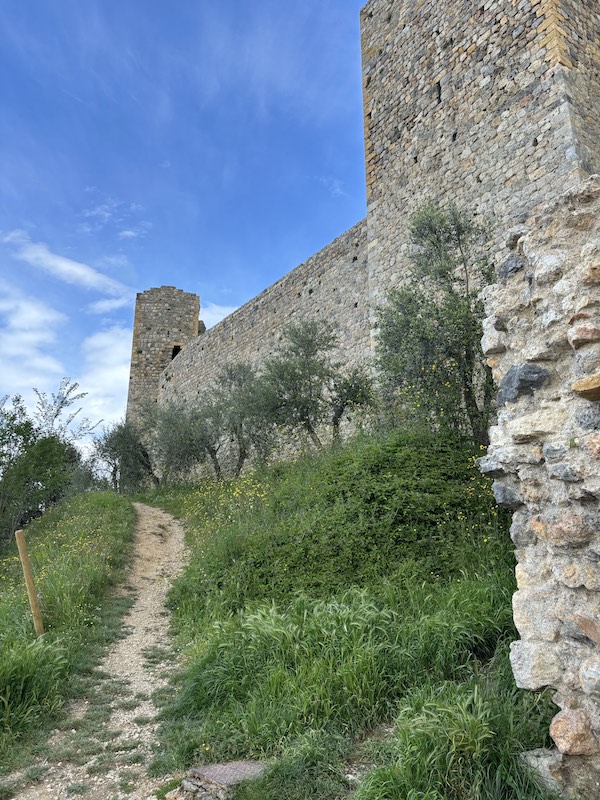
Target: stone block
column 535, row 665
column 572, row 733
column 588, row 388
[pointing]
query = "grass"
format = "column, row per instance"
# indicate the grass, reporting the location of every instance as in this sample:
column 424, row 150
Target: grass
column 367, row 584
column 78, row 551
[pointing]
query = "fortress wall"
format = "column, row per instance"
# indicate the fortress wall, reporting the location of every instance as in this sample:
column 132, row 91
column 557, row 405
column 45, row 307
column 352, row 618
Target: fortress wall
column 542, row 337
column 580, row 21
column 331, row 285
column 465, row 101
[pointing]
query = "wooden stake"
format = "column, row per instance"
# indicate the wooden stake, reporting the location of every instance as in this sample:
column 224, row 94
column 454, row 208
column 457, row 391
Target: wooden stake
column 31, row 592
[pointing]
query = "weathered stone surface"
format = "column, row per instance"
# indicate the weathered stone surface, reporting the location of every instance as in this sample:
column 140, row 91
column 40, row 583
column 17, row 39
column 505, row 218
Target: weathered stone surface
column 557, row 529
column 564, row 472
column 535, row 665
column 533, row 615
column 581, row 335
column 555, row 452
column 563, row 531
column 589, row 675
column 521, row 531
column 521, row 379
column 538, row 425
column 572, row 733
column 588, row 388
column 507, row 496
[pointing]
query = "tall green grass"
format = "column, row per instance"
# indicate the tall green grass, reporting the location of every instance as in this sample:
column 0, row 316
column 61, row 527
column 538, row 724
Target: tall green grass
column 77, row 551
column 367, row 583
column 346, row 517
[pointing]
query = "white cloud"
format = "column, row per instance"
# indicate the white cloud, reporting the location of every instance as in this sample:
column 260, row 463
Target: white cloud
column 105, row 377
column 65, row 269
column 29, row 330
column 211, row 313
column 110, row 304
column 134, row 232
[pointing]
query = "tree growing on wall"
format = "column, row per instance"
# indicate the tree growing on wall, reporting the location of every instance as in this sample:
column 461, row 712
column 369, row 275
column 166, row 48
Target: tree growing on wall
column 430, row 329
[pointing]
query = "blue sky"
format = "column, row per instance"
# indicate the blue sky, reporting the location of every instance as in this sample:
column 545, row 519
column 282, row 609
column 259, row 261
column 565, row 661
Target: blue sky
column 208, row 146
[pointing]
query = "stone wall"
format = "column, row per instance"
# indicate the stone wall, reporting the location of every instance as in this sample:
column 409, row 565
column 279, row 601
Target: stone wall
column 331, row 285
column 165, row 320
column 542, row 338
column 473, row 101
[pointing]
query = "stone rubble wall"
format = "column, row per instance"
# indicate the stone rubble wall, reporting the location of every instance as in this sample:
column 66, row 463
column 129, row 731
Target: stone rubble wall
column 542, row 338
column 473, row 101
column 331, row 285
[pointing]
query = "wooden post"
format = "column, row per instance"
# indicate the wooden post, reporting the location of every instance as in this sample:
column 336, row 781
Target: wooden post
column 31, row 593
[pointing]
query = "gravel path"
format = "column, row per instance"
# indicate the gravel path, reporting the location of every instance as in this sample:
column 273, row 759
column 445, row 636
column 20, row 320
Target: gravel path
column 109, row 763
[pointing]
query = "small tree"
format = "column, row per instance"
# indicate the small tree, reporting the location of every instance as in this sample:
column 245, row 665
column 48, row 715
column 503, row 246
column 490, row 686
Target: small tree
column 305, row 389
column 183, row 438
column 128, row 462
column 239, row 394
column 430, row 329
column 50, row 413
column 297, row 377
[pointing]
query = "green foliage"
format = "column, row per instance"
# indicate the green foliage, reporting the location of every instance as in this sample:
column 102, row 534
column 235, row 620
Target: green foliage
column 38, row 461
column 297, row 376
column 77, row 550
column 39, row 477
column 430, row 329
column 346, row 518
column 258, row 680
column 121, row 449
column 54, row 417
column 461, row 740
column 327, row 595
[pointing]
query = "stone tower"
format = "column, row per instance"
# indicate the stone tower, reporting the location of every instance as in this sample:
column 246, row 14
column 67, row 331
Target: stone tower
column 165, row 320
column 492, row 104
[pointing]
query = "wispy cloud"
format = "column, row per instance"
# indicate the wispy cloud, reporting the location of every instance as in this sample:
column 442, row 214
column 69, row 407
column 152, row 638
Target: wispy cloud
column 111, row 304
column 334, row 186
column 141, row 229
column 28, row 332
column 105, row 376
column 211, row 313
column 39, row 256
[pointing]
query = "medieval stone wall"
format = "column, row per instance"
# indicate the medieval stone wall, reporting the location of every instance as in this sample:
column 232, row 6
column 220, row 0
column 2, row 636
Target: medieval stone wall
column 331, row 285
column 468, row 101
column 542, row 337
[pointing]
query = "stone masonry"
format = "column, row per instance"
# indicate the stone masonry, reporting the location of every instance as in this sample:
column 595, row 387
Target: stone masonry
column 331, row 285
column 495, row 105
column 473, row 101
column 165, row 320
column 542, row 338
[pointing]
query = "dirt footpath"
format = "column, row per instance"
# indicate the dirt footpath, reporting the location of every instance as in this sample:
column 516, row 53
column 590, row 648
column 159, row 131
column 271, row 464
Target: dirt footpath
column 102, row 751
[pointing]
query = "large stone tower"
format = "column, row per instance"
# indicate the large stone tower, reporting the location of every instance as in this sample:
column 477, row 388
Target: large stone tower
column 165, row 319
column 492, row 104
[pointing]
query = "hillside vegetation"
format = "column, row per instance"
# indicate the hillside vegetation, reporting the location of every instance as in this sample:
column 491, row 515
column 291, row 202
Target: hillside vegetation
column 77, row 550
column 364, row 586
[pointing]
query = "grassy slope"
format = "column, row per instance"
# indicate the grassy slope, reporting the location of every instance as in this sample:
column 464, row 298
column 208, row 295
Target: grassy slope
column 323, row 597
column 78, row 550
